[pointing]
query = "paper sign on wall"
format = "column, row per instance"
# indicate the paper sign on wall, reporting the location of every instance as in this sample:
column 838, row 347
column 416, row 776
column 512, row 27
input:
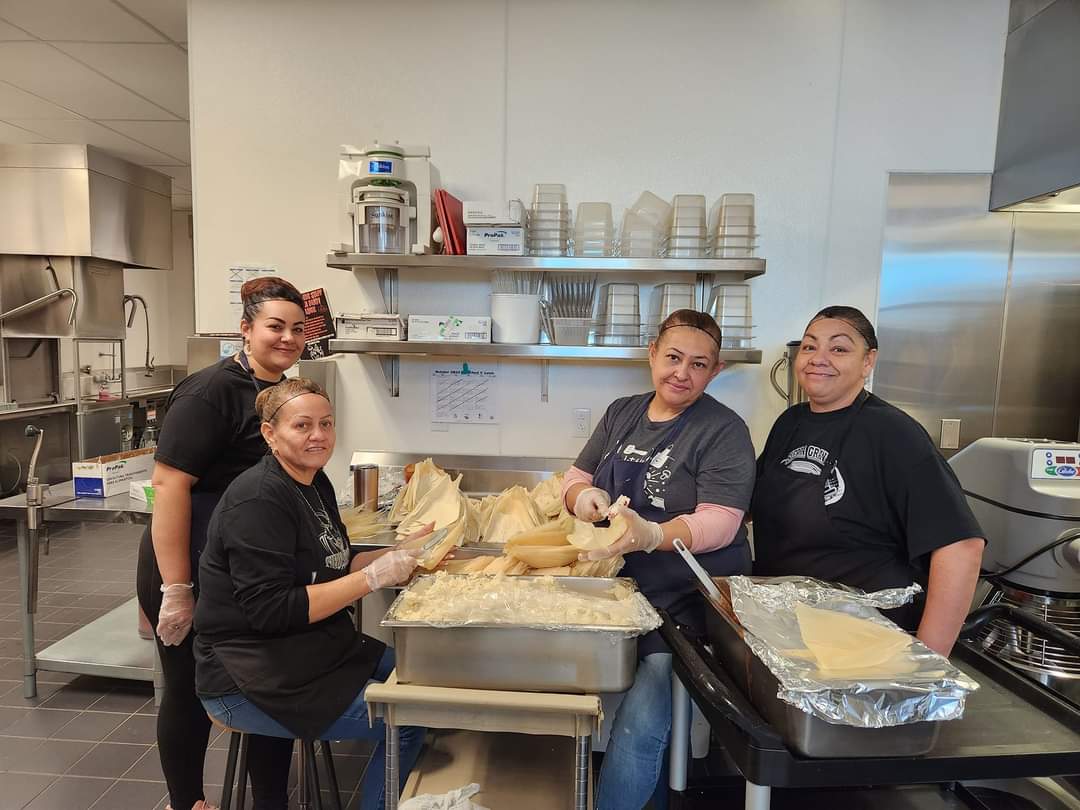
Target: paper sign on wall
column 237, row 275
column 465, row 394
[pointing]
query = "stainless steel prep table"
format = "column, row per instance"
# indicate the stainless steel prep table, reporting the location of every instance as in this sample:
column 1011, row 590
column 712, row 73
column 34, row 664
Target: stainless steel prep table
column 108, row 646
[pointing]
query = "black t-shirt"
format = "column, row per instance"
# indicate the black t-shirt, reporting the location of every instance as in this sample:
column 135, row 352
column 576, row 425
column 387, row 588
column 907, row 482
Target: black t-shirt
column 269, row 538
column 891, row 502
column 211, row 430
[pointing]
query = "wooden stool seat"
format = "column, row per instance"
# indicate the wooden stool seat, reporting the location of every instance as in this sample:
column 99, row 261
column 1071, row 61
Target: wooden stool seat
column 309, row 770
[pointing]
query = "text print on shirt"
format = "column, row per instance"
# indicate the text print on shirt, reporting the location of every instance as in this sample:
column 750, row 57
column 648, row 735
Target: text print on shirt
column 658, row 474
column 811, row 460
column 337, row 557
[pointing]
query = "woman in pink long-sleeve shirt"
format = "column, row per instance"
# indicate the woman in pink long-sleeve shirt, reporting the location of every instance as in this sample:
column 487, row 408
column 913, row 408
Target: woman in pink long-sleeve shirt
column 686, row 464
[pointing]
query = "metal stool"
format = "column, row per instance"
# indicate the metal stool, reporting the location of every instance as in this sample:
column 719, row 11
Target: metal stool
column 307, row 778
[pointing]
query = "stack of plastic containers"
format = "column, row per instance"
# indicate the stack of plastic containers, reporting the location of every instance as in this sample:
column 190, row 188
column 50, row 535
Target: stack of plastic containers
column 618, row 321
column 549, row 221
column 733, row 232
column 643, row 226
column 729, row 304
column 666, row 298
column 687, row 234
column 594, row 231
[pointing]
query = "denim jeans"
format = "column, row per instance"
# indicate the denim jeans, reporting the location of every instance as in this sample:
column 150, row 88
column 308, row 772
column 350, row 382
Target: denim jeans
column 635, row 762
column 236, row 711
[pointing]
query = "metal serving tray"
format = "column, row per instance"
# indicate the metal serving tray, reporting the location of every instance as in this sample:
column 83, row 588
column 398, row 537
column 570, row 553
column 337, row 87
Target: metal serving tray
column 519, row 657
column 806, row 735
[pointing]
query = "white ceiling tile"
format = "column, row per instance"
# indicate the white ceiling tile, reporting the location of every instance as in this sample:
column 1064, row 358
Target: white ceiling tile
column 50, row 74
column 16, row 103
column 11, row 32
column 156, row 72
column 171, row 137
column 167, row 16
column 82, row 131
column 10, row 133
column 78, row 20
column 181, row 176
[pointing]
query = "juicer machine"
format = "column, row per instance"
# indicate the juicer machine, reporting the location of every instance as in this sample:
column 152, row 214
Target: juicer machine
column 387, row 189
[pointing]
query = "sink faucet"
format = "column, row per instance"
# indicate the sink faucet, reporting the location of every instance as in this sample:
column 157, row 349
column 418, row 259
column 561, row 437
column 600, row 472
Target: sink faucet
column 134, row 300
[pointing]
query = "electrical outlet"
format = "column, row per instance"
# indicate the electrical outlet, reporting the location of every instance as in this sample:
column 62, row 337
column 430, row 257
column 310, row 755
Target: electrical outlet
column 582, row 422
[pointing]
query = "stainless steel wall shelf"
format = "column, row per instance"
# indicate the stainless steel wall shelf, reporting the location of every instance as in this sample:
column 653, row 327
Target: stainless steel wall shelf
column 725, row 270
column 706, row 272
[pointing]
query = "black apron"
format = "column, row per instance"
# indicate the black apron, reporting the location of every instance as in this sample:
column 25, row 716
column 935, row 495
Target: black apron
column 793, row 534
column 663, row 577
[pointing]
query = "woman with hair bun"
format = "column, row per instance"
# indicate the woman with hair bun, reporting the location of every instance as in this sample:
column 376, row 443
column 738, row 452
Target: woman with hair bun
column 686, row 463
column 210, row 435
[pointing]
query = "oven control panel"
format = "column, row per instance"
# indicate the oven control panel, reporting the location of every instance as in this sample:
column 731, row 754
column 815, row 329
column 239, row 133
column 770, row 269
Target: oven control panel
column 1058, row 462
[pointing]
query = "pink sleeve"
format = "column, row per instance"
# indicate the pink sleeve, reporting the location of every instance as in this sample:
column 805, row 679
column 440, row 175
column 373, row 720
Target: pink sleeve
column 712, row 526
column 574, row 476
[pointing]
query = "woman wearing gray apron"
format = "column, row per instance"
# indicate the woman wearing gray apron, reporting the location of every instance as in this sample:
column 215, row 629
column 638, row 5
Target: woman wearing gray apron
column 686, row 464
column 210, row 435
column 852, row 490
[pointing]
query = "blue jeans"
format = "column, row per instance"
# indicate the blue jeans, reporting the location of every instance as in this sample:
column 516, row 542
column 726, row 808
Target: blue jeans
column 635, row 763
column 236, row 711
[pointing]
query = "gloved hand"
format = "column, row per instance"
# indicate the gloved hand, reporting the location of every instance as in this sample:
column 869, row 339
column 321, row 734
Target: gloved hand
column 176, row 614
column 391, row 568
column 591, row 504
column 640, row 535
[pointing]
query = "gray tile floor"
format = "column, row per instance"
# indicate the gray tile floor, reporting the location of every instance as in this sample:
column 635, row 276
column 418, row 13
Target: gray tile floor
column 87, row 742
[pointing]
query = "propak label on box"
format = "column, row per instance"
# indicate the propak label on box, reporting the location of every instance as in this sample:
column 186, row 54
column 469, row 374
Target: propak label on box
column 108, row 475
column 492, row 240
column 450, row 328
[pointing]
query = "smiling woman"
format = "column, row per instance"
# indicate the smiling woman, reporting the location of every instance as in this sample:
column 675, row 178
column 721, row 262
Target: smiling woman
column 852, row 490
column 686, row 464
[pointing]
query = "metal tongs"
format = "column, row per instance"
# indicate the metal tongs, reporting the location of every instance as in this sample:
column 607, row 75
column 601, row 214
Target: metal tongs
column 695, row 566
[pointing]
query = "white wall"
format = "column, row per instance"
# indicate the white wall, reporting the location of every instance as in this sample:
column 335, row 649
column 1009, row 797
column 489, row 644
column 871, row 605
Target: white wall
column 806, row 104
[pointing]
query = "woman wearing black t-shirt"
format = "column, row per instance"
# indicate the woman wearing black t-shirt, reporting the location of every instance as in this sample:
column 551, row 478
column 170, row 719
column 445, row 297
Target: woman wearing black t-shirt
column 210, row 436
column 276, row 649
column 852, row 490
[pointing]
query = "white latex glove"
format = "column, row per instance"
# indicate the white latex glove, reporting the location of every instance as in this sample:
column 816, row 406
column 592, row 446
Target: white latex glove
column 591, row 504
column 176, row 614
column 640, row 535
column 391, row 568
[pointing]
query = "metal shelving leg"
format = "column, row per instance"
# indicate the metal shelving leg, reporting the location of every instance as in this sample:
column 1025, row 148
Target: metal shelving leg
column 391, row 369
column 582, row 761
column 543, row 380
column 28, row 606
column 388, row 285
column 679, row 750
column 758, row 797
column 392, row 755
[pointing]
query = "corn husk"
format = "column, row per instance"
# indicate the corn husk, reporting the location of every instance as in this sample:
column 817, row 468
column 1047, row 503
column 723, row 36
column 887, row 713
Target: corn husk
column 543, row 556
column 552, row 533
column 442, row 505
column 547, row 495
column 590, row 537
column 512, row 512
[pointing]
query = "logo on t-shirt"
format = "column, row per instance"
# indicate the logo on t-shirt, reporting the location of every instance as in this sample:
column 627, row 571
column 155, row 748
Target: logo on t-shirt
column 812, row 460
column 337, row 557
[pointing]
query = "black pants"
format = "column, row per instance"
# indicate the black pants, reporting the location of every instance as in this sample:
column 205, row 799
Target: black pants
column 183, row 728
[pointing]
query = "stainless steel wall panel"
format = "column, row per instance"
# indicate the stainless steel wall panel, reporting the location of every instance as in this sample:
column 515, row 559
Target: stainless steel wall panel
column 129, row 223
column 944, row 273
column 44, row 211
column 1039, row 389
column 98, row 284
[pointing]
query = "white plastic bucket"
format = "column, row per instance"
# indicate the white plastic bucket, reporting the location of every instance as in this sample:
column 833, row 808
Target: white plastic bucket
column 515, row 318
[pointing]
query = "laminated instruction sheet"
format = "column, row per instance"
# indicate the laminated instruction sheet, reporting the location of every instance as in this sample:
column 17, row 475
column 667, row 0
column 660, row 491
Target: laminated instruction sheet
column 463, row 393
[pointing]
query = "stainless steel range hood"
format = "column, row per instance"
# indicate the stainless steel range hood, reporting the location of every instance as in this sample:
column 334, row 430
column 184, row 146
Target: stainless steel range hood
column 1037, row 166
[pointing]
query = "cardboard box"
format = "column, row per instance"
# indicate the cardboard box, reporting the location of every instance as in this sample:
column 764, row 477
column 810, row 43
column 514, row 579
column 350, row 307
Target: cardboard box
column 103, row 476
column 495, row 240
column 450, row 328
column 142, row 491
column 488, row 212
column 370, row 326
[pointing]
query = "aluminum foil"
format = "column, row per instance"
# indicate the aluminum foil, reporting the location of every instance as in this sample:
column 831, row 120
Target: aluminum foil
column 539, row 603
column 933, row 690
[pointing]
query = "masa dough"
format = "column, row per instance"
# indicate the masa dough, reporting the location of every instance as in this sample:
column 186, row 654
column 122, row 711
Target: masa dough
column 843, row 644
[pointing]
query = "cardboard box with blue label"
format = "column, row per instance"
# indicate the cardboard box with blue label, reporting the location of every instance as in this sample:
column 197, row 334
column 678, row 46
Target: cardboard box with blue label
column 108, row 475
